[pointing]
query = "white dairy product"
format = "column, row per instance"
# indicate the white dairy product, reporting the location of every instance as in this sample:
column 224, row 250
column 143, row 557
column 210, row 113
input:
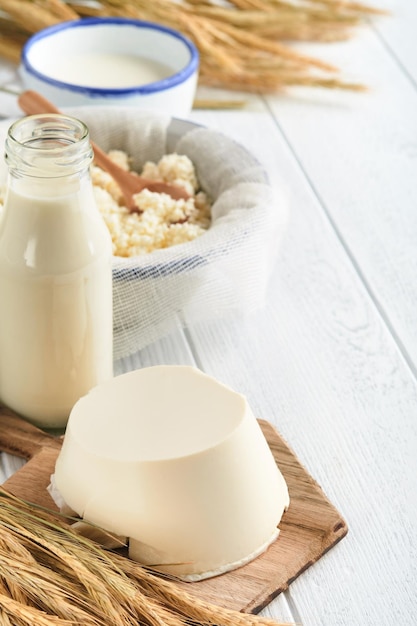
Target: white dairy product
column 55, row 295
column 106, row 69
column 176, row 461
column 55, row 290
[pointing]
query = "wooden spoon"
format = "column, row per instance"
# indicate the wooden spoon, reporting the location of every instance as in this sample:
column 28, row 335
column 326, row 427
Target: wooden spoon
column 130, row 183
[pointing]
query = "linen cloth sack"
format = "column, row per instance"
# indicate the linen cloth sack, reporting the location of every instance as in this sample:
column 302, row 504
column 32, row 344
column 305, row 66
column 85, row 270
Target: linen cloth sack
column 223, row 272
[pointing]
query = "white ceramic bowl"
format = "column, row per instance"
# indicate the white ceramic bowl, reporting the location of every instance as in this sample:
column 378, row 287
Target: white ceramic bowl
column 112, row 61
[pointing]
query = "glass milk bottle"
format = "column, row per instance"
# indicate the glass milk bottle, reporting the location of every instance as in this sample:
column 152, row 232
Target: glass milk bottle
column 55, row 272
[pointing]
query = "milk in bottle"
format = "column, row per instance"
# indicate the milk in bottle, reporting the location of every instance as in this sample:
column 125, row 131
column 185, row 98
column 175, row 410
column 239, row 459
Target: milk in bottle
column 55, row 272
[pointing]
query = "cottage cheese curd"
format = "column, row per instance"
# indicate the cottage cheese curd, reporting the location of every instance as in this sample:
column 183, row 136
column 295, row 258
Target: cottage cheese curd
column 161, row 221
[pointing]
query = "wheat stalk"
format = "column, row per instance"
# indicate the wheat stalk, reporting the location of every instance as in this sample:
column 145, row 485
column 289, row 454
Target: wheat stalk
column 50, row 575
column 243, row 45
column 29, row 15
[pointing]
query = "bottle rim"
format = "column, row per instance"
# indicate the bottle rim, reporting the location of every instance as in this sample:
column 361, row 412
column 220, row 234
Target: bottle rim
column 48, row 145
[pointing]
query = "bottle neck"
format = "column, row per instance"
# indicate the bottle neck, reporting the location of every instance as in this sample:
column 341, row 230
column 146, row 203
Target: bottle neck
column 48, row 147
column 50, row 213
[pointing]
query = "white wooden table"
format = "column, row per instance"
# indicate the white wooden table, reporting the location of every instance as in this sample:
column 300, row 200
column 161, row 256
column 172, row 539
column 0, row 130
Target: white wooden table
column 332, row 359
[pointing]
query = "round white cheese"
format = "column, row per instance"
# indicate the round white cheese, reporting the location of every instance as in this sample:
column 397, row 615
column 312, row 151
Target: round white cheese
column 177, row 462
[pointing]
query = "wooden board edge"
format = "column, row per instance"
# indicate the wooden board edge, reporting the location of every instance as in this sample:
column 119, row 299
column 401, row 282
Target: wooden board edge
column 274, row 584
column 259, row 603
column 332, row 538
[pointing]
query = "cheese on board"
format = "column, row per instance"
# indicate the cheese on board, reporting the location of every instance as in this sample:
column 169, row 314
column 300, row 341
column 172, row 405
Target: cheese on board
column 175, row 461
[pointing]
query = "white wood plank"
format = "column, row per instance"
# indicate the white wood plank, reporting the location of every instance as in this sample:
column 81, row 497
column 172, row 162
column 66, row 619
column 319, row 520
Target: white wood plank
column 399, row 32
column 320, row 363
column 9, row 464
column 282, row 611
column 359, row 153
column 8, row 78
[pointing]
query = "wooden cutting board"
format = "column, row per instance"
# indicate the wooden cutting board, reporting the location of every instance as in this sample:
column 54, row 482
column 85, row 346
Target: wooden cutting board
column 309, row 528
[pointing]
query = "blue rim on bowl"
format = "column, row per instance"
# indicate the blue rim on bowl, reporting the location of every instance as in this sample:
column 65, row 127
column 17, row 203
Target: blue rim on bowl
column 149, row 88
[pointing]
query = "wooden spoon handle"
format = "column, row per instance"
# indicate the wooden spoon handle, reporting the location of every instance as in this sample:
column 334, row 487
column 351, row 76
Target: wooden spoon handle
column 32, row 103
column 19, row 437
